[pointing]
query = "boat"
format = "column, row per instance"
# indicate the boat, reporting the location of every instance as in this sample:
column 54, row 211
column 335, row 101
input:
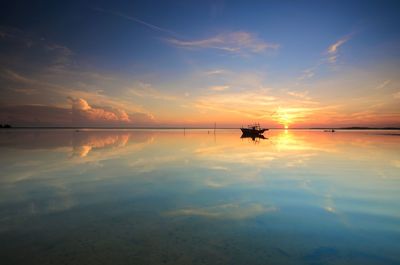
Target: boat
column 254, row 129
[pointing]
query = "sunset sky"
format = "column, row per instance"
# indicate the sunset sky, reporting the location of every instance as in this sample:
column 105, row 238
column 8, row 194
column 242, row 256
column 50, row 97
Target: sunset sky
column 192, row 63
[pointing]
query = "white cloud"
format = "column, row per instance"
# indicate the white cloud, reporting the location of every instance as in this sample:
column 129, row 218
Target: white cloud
column 234, row 42
column 334, row 49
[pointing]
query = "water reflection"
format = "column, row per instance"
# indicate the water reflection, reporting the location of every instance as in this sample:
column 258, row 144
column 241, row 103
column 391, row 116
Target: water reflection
column 164, row 197
column 254, row 137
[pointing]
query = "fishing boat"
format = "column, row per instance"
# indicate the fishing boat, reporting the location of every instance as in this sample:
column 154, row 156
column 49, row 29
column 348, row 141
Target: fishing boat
column 254, row 129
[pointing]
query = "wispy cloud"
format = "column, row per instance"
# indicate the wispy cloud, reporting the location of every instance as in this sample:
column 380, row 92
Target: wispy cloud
column 22, row 47
column 330, row 56
column 16, row 77
column 308, row 73
column 219, row 88
column 233, row 42
column 299, row 94
column 383, row 84
column 216, row 72
column 334, row 49
column 146, row 90
column 226, row 211
column 137, row 20
column 259, row 102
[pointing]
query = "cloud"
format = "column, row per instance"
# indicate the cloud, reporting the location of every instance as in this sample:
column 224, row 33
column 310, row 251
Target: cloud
column 145, row 90
column 308, row 73
column 331, row 56
column 235, row 211
column 15, row 77
column 80, row 113
column 25, row 48
column 137, row 20
column 26, row 91
column 272, row 105
column 233, row 42
column 302, row 95
column 397, row 95
column 248, row 103
column 216, row 72
column 219, row 88
column 383, row 84
column 79, row 104
column 334, row 49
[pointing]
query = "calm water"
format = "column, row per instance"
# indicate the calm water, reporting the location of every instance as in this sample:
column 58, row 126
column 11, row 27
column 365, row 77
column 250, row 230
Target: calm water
column 165, row 197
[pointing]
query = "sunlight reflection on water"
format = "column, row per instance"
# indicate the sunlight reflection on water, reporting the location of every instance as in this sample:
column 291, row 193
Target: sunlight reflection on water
column 169, row 197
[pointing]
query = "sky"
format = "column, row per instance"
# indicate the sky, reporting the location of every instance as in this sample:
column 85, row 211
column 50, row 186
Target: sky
column 295, row 64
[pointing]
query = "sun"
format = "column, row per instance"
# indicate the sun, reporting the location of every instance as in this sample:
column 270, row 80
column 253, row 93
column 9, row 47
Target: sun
column 286, row 126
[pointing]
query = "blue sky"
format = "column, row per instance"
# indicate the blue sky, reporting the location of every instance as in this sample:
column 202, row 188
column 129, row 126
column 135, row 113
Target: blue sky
column 178, row 62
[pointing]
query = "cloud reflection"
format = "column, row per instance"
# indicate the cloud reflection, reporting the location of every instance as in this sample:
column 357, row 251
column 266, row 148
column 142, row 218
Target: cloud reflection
column 234, row 211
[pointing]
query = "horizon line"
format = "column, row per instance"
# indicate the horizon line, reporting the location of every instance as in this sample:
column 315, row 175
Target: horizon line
column 202, row 128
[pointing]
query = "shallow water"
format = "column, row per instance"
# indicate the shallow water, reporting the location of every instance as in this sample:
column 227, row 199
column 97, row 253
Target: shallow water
column 195, row 197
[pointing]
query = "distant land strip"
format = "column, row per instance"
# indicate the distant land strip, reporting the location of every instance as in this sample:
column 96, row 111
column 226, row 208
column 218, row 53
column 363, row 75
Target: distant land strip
column 196, row 128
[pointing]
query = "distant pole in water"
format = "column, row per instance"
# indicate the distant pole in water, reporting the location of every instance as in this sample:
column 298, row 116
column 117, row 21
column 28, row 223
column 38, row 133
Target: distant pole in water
column 184, row 131
column 215, row 126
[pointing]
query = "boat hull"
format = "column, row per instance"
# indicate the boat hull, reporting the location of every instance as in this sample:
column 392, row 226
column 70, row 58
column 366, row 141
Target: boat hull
column 247, row 131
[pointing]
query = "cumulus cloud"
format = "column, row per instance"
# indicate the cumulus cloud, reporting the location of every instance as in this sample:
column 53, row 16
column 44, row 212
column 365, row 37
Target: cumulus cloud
column 80, row 113
column 82, row 110
column 233, row 42
column 79, row 104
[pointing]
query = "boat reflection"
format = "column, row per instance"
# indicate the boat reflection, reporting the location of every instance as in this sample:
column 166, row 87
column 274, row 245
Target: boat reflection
column 254, row 137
